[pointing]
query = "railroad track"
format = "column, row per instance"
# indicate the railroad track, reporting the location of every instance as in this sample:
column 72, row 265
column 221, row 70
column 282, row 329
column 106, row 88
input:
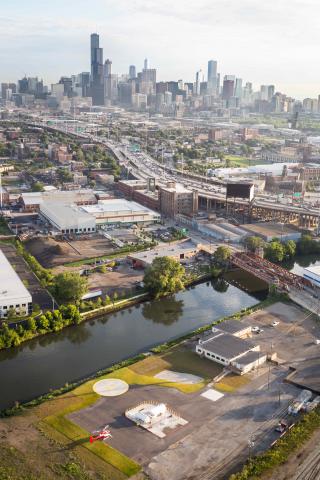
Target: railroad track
column 310, row 469
column 218, row 469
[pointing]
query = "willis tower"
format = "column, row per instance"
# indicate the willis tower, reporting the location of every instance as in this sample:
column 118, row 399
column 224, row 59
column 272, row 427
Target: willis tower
column 97, row 77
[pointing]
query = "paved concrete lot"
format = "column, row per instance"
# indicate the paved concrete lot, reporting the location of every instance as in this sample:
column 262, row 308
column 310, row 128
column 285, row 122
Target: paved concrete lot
column 218, row 432
column 228, row 422
column 293, row 338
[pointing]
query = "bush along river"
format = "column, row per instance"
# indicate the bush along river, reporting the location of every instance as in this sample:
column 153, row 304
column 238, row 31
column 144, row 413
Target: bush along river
column 51, row 361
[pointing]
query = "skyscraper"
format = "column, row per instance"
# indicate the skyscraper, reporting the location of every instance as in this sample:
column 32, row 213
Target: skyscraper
column 212, row 77
column 198, row 82
column 97, row 76
column 238, row 88
column 132, row 71
column 228, row 87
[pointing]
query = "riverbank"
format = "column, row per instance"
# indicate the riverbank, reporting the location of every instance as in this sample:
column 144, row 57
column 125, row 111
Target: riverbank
column 16, row 333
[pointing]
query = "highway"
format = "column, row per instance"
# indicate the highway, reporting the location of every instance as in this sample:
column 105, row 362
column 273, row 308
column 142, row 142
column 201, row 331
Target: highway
column 142, row 166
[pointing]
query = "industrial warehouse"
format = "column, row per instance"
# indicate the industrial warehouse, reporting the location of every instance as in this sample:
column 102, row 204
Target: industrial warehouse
column 13, row 294
column 71, row 218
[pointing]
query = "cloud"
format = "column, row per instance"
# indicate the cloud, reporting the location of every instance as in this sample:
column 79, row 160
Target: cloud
column 262, row 42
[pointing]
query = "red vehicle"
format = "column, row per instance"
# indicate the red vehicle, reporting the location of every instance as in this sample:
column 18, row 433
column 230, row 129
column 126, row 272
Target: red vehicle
column 103, row 434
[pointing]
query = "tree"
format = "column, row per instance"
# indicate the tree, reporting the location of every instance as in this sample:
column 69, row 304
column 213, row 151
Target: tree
column 69, row 287
column 37, row 187
column 253, row 243
column 290, row 248
column 222, row 255
column 275, row 252
column 165, row 275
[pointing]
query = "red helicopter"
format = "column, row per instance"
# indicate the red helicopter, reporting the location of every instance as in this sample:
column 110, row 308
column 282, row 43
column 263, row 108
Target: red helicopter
column 102, row 434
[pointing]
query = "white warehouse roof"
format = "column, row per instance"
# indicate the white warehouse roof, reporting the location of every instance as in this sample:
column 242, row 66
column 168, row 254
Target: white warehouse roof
column 12, row 290
column 67, row 217
column 116, row 205
column 120, row 211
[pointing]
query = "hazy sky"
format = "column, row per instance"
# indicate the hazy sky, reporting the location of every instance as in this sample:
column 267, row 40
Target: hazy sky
column 257, row 40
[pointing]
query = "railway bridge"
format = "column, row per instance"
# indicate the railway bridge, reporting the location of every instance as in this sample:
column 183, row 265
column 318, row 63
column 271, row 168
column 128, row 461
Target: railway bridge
column 269, row 272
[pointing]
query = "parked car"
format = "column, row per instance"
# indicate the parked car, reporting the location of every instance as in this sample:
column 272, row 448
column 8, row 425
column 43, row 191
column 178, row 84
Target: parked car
column 255, row 329
column 275, row 323
column 281, row 427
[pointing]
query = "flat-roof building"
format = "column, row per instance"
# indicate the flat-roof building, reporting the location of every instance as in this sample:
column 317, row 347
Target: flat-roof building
column 13, row 293
column 31, row 201
column 67, row 218
column 313, row 274
column 176, row 199
column 229, row 347
column 120, row 211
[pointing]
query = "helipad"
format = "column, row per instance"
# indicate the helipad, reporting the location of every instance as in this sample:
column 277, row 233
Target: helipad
column 111, row 387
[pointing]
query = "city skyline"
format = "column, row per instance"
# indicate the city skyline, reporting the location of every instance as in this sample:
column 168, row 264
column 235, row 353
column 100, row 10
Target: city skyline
column 184, row 40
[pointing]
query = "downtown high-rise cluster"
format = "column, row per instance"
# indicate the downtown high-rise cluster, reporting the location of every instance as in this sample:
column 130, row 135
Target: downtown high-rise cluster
column 140, row 91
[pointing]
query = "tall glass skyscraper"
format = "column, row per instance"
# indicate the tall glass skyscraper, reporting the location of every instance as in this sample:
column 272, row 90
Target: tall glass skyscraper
column 97, row 71
column 212, row 77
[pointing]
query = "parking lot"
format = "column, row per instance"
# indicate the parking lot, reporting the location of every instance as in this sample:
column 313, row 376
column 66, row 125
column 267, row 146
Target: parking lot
column 293, row 337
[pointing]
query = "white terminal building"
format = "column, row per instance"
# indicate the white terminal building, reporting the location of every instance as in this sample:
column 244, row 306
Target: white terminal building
column 13, row 293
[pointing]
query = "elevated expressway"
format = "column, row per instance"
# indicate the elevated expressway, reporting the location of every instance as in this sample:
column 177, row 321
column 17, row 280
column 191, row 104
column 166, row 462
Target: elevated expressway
column 144, row 167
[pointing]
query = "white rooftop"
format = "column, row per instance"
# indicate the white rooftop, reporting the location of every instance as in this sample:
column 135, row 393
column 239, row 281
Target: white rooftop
column 315, row 270
column 12, row 290
column 116, row 206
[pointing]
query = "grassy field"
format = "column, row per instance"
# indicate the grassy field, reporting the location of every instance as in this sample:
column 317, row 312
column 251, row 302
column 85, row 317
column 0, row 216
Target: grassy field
column 238, row 161
column 232, row 382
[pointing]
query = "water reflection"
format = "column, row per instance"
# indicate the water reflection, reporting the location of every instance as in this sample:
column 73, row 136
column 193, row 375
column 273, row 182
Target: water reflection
column 166, row 311
column 219, row 284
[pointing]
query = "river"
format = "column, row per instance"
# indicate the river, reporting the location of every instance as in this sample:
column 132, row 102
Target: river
column 50, row 361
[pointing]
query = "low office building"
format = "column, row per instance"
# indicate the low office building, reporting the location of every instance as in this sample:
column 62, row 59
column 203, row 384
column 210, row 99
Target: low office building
column 233, row 327
column 229, row 347
column 119, row 211
column 13, row 293
column 67, row 218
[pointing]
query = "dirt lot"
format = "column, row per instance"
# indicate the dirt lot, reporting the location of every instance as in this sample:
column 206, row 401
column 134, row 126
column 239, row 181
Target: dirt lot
column 123, row 279
column 29, row 451
column 39, row 295
column 50, row 252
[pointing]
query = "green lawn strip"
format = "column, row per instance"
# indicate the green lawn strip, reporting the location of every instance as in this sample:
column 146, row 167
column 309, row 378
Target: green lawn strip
column 102, row 450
